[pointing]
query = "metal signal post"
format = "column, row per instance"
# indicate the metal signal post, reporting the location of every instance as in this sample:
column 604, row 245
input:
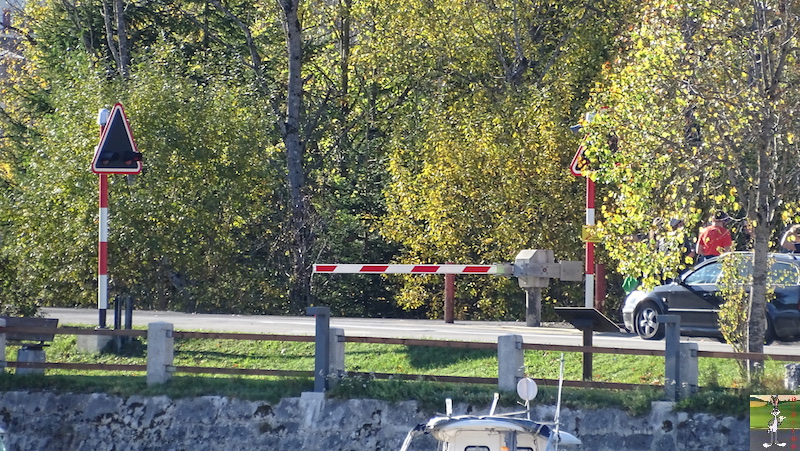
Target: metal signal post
column 115, row 154
column 580, row 167
column 102, row 245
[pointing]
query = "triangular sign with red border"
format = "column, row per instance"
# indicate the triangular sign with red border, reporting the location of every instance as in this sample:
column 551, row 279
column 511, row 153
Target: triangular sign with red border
column 117, row 152
column 580, row 164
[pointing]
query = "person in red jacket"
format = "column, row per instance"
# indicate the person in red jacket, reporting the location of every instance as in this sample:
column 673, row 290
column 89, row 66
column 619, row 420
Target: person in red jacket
column 714, row 239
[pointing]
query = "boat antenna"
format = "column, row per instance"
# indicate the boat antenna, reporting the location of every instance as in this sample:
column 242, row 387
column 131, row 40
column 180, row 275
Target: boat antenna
column 554, row 432
column 494, row 404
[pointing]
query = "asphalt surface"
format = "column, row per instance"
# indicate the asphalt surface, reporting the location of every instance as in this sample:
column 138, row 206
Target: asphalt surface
column 480, row 331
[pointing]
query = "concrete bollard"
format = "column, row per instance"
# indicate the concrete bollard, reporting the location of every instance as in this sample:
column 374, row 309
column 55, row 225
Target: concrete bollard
column 30, row 354
column 688, row 372
column 160, row 352
column 93, row 344
column 510, row 362
column 2, row 347
column 336, row 356
column 791, row 379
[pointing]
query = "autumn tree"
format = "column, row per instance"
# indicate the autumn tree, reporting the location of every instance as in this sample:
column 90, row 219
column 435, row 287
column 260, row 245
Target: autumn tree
column 197, row 231
column 479, row 162
column 703, row 104
column 195, row 62
column 280, row 134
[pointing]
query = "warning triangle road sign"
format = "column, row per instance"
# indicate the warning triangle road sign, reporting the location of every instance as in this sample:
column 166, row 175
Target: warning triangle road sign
column 117, row 153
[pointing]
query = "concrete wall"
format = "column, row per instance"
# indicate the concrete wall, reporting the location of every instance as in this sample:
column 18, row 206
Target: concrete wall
column 99, row 422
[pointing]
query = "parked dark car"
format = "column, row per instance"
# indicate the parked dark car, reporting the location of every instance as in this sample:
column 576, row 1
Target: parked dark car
column 695, row 297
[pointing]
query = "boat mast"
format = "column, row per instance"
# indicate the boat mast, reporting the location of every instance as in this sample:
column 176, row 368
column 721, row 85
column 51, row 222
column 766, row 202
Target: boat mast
column 554, row 432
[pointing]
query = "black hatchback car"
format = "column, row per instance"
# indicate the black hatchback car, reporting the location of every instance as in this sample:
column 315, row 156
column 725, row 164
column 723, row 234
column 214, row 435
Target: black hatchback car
column 695, row 297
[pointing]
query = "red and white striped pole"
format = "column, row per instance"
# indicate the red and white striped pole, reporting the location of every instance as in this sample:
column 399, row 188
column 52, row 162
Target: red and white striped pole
column 589, row 295
column 580, row 167
column 102, row 246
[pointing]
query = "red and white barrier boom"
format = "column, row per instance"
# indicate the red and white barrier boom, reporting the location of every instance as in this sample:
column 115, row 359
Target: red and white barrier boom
column 496, row 269
column 533, row 269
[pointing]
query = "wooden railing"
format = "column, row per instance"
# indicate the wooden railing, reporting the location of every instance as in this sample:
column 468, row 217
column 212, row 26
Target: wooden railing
column 374, row 340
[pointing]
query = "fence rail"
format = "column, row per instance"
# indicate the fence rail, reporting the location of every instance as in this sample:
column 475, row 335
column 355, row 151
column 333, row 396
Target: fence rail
column 397, row 341
column 374, row 340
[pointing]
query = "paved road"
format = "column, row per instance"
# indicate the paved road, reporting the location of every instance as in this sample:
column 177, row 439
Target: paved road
column 482, row 331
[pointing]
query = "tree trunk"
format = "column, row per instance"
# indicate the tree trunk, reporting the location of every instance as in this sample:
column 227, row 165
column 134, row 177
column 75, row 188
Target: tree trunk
column 109, row 25
column 288, row 123
column 300, row 292
column 757, row 315
column 773, row 46
column 124, row 61
column 758, row 295
column 119, row 47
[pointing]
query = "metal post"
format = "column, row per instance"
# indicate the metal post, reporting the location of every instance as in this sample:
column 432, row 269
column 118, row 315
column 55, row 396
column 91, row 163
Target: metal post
column 600, row 287
column 2, row 348
column 117, row 313
column 102, row 254
column 128, row 312
column 102, row 246
column 449, row 297
column 672, row 355
column 589, row 295
column 588, row 332
column 322, row 346
column 117, row 322
column 533, row 306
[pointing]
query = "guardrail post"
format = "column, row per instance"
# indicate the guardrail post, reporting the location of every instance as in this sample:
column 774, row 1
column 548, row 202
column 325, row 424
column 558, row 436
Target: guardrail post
column 117, row 312
column 160, row 352
column 128, row 314
column 688, row 373
column 117, row 322
column 123, row 307
column 510, row 362
column 336, row 356
column 672, row 355
column 2, row 347
column 322, row 346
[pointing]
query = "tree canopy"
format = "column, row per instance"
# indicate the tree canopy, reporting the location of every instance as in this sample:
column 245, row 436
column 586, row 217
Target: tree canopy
column 703, row 103
column 278, row 135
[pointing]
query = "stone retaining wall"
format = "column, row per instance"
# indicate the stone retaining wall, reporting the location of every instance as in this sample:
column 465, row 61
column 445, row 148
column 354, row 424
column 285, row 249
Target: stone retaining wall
column 98, row 422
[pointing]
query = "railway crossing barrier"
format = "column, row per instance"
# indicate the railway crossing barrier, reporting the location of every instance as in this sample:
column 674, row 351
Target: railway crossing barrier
column 533, row 269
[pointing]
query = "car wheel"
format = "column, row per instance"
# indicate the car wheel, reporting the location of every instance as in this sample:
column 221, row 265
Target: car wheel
column 646, row 322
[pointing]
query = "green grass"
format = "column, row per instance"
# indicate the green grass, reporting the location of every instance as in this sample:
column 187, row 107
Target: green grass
column 269, row 389
column 720, row 378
